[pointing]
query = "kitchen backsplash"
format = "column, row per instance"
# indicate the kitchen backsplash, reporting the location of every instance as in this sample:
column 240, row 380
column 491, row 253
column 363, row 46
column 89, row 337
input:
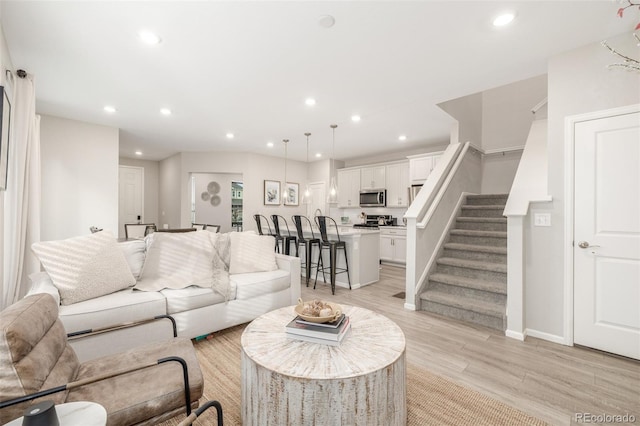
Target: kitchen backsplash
column 354, row 214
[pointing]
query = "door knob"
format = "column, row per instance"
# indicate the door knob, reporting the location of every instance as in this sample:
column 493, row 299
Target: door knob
column 585, row 244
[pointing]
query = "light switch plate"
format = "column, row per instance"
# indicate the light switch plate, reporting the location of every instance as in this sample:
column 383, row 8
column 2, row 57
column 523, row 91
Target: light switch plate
column 542, row 219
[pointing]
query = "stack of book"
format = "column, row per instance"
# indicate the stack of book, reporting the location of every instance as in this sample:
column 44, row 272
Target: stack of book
column 329, row 333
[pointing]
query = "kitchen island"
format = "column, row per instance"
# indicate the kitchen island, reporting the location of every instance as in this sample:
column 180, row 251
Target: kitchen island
column 363, row 254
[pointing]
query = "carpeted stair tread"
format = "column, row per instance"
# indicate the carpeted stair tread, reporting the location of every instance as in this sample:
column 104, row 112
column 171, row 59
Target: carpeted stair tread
column 482, row 219
column 466, row 303
column 476, row 233
column 474, row 247
column 486, row 196
column 483, row 207
column 473, row 264
column 473, row 283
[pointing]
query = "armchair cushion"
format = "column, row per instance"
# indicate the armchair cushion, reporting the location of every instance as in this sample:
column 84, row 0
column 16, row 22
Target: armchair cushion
column 85, row 267
column 134, row 397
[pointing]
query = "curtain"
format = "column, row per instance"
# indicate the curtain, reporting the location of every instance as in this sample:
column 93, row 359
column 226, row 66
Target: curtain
column 22, row 197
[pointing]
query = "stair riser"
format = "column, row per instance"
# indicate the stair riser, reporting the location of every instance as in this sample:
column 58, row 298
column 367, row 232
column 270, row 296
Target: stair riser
column 482, row 226
column 473, row 273
column 476, row 255
column 479, row 241
column 463, row 315
column 487, row 296
column 486, row 201
column 482, row 212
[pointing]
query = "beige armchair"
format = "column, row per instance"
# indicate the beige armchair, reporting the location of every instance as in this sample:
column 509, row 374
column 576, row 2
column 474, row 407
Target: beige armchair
column 142, row 386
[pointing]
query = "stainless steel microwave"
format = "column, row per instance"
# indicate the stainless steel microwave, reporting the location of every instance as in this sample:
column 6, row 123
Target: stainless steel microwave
column 373, row 198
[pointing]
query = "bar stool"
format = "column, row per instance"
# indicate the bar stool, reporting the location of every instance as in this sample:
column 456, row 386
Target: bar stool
column 307, row 242
column 333, row 246
column 259, row 221
column 286, row 239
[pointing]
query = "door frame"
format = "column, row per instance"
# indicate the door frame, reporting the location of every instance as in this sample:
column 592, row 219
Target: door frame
column 569, row 208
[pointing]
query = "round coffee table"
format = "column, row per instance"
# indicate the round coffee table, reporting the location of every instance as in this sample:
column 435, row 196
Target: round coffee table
column 359, row 382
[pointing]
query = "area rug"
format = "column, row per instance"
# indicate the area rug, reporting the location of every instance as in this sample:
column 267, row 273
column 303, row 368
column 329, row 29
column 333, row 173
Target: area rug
column 431, row 399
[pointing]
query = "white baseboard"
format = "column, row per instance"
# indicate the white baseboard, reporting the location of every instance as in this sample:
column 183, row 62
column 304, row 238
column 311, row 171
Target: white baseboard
column 545, row 336
column 515, row 335
column 410, row 306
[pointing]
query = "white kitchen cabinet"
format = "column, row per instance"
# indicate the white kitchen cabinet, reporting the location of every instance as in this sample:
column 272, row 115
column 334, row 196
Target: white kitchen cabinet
column 397, row 185
column 393, row 244
column 349, row 188
column 421, row 167
column 372, row 177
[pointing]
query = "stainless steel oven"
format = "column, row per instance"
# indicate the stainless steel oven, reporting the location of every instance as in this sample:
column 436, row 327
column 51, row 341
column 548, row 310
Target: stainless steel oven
column 373, row 198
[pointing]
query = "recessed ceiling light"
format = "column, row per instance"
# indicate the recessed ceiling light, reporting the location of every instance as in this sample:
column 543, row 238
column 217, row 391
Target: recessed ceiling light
column 326, row 21
column 138, row 152
column 318, row 155
column 402, row 138
column 503, row 19
column 270, row 144
column 147, row 37
column 355, row 118
column 310, row 101
column 109, row 109
column 230, row 135
column 165, row 111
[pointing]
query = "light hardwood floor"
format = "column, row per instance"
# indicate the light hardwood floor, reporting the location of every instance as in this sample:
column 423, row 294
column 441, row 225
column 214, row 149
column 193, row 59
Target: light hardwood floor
column 550, row 381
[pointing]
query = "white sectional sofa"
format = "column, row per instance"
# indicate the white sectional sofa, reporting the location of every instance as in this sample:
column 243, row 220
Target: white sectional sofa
column 197, row 311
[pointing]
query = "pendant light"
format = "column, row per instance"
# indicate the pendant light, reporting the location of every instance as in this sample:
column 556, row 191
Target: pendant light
column 284, row 190
column 333, row 187
column 306, row 197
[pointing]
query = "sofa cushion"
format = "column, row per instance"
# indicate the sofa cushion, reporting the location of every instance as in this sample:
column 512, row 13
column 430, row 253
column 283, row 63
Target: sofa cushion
column 85, row 267
column 177, row 261
column 259, row 283
column 122, row 306
column 186, row 299
column 134, row 253
column 252, row 253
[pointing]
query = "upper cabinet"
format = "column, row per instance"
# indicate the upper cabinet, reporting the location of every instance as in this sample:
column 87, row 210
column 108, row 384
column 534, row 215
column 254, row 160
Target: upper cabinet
column 397, row 185
column 349, row 188
column 372, row 177
column 421, row 167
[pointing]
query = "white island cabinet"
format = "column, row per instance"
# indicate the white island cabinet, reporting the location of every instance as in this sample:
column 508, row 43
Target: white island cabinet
column 363, row 254
column 393, row 244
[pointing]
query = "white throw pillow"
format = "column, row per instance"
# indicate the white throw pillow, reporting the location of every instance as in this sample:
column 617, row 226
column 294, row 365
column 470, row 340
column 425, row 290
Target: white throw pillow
column 252, row 253
column 177, row 261
column 134, row 253
column 85, row 267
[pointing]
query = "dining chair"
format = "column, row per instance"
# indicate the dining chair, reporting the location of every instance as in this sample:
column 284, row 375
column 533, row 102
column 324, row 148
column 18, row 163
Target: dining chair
column 138, row 230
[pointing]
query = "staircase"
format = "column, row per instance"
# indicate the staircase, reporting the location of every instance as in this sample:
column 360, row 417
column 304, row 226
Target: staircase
column 469, row 282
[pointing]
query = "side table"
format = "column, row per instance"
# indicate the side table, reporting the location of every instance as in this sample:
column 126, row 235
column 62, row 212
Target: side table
column 360, row 382
column 79, row 413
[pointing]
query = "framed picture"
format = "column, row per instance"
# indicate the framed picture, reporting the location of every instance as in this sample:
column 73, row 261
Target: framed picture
column 5, row 113
column 271, row 193
column 291, row 191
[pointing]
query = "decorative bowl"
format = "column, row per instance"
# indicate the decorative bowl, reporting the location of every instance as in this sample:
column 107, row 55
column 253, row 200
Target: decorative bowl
column 335, row 308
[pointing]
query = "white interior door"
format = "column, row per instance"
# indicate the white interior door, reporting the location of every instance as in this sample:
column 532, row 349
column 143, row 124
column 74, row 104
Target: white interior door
column 317, row 200
column 607, row 234
column 130, row 196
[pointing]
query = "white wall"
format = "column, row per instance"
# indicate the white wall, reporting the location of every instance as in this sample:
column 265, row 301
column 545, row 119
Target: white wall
column 205, row 211
column 498, row 172
column 79, row 177
column 151, row 190
column 579, row 82
column 175, row 172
